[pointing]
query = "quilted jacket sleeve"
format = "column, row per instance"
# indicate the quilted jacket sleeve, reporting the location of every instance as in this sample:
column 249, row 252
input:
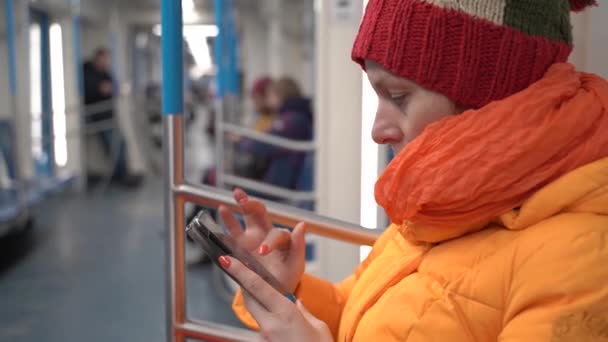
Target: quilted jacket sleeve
column 322, row 298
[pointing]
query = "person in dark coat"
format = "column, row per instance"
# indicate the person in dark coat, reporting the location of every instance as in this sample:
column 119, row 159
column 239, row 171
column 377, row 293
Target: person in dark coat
column 295, row 122
column 98, row 95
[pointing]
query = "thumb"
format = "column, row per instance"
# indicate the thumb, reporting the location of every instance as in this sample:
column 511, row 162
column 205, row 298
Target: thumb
column 298, row 242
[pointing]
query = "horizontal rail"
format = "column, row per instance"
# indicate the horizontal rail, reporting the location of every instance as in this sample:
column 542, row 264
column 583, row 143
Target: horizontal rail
column 89, row 129
column 85, row 110
column 268, row 189
column 284, row 215
column 290, row 144
column 212, row 332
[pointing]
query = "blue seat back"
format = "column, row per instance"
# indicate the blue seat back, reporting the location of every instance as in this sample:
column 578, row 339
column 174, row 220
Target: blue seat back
column 305, row 180
column 6, row 146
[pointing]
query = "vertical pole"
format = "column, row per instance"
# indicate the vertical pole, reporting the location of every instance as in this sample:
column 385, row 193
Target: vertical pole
column 79, row 123
column 172, row 94
column 220, row 105
column 219, row 47
column 276, row 44
column 48, row 135
column 232, row 44
column 77, row 49
column 9, row 13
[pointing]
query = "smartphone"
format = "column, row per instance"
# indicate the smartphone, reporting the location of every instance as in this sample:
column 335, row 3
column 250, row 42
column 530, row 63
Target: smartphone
column 217, row 241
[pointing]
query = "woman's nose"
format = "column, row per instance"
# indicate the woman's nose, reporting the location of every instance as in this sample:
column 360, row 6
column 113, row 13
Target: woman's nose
column 386, row 129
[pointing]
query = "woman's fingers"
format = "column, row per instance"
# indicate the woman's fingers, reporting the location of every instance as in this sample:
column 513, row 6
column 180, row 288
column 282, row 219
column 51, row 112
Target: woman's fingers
column 254, row 211
column 232, row 224
column 239, row 195
column 298, row 241
column 276, row 239
column 282, row 239
column 274, row 302
column 255, row 308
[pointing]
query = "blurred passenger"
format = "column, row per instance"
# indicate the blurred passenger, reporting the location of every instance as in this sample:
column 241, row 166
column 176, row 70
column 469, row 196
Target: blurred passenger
column 249, row 164
column 294, row 121
column 264, row 113
column 98, row 85
column 498, row 193
column 98, row 95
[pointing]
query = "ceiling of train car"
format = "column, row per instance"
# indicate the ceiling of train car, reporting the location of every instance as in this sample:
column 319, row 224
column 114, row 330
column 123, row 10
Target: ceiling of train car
column 248, row 6
column 148, row 10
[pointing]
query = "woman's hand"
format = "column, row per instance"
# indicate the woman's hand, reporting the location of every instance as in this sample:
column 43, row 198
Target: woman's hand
column 279, row 319
column 282, row 252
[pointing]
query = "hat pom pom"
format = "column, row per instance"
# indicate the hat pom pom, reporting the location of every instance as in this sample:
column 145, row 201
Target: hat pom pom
column 579, row 5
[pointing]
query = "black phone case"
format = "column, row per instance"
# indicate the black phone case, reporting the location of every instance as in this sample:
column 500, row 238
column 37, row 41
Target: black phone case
column 216, row 242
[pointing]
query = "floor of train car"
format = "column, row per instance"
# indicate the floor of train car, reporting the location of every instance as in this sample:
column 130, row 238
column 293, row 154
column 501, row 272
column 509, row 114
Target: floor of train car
column 92, row 269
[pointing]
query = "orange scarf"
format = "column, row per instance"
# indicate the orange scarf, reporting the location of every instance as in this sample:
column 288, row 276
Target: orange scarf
column 463, row 171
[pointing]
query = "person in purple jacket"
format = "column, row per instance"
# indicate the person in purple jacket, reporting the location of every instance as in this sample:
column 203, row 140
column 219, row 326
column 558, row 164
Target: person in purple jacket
column 295, row 122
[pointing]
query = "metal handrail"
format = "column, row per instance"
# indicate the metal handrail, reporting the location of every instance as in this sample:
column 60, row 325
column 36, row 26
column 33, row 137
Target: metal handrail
column 177, row 192
column 289, row 144
column 269, row 189
column 89, row 129
column 279, row 214
column 283, row 215
column 211, row 332
column 87, row 110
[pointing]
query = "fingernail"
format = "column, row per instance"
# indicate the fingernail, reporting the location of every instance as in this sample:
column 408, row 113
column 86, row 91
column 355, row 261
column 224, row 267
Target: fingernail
column 263, row 249
column 224, row 261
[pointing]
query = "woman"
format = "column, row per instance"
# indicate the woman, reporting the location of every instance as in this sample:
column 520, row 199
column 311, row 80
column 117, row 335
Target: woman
column 265, row 115
column 294, row 122
column 247, row 164
column 498, row 193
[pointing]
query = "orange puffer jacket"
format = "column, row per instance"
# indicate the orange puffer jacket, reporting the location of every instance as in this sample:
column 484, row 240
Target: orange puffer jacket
column 464, row 265
column 538, row 274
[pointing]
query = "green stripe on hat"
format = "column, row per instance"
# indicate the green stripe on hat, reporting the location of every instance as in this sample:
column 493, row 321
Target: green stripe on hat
column 492, row 10
column 555, row 22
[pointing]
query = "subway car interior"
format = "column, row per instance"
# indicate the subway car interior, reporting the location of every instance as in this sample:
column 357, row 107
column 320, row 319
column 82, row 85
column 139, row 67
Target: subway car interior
column 121, row 120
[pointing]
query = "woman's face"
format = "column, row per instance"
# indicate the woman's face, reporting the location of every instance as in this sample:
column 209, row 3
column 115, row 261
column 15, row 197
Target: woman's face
column 259, row 102
column 404, row 108
column 273, row 98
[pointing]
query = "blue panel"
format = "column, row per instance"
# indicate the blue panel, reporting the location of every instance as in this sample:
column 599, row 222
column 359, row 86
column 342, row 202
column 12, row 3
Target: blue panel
column 172, row 57
column 6, row 146
column 232, row 86
column 10, row 41
column 226, row 49
column 310, row 251
column 218, row 46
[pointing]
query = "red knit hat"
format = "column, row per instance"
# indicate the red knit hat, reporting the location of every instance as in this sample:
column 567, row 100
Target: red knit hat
column 260, row 86
column 472, row 51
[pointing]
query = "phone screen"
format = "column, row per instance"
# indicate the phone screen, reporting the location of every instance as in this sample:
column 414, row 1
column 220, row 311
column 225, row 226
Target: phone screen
column 216, row 241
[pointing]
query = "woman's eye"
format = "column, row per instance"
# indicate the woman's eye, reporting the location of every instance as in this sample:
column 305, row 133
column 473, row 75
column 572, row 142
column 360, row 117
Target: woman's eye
column 399, row 100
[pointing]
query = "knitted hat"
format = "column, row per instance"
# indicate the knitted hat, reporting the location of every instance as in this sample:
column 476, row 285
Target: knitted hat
column 472, row 51
column 260, row 86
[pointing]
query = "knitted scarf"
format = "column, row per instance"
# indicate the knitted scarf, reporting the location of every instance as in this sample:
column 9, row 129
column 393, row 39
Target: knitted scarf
column 465, row 170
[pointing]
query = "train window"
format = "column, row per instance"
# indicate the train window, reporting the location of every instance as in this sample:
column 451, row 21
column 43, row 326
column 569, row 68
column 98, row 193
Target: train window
column 58, row 96
column 36, row 89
